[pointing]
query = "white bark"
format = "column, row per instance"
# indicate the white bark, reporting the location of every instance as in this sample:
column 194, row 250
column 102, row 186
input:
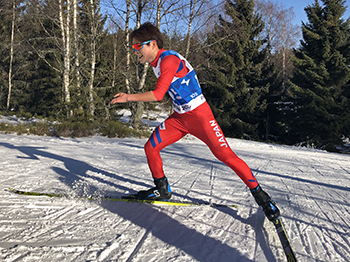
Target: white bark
column 192, row 10
column 93, row 56
column 127, row 46
column 11, row 54
column 76, row 43
column 65, row 30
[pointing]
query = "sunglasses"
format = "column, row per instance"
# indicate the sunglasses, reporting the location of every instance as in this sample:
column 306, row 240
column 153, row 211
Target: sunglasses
column 138, row 47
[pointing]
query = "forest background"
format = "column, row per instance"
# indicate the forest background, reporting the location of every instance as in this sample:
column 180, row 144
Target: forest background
column 264, row 77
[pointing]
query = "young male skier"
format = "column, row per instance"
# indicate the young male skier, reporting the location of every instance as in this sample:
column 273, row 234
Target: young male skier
column 192, row 115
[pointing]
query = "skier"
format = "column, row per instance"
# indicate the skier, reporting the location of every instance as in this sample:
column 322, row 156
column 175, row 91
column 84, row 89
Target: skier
column 192, row 115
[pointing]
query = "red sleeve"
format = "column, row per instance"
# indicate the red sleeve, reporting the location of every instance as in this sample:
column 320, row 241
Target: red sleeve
column 168, row 68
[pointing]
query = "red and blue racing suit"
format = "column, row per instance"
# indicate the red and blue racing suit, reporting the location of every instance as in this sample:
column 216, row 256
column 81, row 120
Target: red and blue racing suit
column 192, row 115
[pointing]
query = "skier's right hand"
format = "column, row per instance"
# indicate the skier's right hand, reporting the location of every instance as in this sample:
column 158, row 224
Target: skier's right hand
column 120, row 98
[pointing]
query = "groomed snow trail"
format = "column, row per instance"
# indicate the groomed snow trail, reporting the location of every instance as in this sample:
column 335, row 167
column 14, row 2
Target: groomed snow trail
column 311, row 188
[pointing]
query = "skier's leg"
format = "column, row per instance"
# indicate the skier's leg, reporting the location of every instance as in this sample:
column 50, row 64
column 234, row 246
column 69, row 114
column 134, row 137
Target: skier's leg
column 212, row 135
column 264, row 200
column 167, row 133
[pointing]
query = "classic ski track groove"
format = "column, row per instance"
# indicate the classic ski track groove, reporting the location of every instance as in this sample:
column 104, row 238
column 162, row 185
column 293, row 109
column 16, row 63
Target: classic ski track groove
column 327, row 235
column 142, row 239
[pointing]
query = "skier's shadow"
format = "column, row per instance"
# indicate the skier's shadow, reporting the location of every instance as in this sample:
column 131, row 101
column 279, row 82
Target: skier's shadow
column 156, row 223
column 197, row 245
column 256, row 221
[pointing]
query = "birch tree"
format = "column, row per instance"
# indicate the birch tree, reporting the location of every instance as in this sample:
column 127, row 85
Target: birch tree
column 65, row 17
column 281, row 34
column 76, row 44
column 141, row 72
column 11, row 54
column 196, row 7
column 92, row 55
column 289, row 35
column 127, row 46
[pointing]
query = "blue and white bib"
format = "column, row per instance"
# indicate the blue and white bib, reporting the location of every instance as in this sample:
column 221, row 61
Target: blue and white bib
column 185, row 92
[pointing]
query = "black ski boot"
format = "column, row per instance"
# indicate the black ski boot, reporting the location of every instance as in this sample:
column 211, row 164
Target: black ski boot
column 263, row 199
column 161, row 191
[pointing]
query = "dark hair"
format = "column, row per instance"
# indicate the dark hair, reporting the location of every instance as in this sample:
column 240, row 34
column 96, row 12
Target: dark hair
column 148, row 31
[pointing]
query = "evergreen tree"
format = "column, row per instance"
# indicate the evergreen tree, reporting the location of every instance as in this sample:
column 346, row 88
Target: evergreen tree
column 5, row 22
column 42, row 94
column 321, row 74
column 11, row 52
column 234, row 80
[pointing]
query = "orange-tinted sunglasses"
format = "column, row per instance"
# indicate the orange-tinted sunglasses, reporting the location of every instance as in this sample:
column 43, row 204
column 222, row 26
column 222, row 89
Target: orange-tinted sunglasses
column 139, row 46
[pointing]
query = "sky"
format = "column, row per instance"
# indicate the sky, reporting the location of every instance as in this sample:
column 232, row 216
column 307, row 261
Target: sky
column 299, row 5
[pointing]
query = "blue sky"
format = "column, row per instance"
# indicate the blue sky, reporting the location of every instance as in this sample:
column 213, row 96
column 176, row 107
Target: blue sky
column 299, row 5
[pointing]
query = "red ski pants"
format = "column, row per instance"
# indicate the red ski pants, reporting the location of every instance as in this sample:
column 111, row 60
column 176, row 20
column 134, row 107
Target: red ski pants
column 200, row 123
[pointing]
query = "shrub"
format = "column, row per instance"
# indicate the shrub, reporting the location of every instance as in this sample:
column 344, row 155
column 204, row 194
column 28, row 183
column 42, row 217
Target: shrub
column 40, row 128
column 73, row 128
column 118, row 129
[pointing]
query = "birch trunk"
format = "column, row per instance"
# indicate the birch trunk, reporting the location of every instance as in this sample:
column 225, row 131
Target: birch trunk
column 114, row 60
column 158, row 13
column 76, row 44
column 93, row 58
column 192, row 15
column 127, row 46
column 137, row 108
column 11, row 54
column 284, row 60
column 66, row 51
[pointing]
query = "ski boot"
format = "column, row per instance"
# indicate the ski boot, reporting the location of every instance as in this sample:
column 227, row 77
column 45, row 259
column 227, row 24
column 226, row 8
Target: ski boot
column 161, row 191
column 263, row 199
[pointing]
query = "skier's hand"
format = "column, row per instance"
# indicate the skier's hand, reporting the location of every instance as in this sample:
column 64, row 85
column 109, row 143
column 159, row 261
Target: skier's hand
column 120, row 98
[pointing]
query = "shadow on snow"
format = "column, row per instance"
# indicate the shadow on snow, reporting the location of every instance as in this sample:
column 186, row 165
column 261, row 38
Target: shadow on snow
column 199, row 246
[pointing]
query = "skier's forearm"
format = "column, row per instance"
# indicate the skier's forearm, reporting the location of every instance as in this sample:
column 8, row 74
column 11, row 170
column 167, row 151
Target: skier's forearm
column 143, row 97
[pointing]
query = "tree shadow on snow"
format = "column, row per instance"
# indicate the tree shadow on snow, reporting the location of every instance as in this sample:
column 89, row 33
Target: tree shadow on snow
column 178, row 150
column 76, row 169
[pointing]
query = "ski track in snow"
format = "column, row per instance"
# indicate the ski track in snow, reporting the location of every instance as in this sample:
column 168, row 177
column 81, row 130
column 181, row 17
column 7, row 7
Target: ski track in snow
column 311, row 188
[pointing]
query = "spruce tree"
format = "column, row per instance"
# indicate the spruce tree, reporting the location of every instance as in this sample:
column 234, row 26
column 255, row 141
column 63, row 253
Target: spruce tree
column 42, row 93
column 321, row 74
column 233, row 81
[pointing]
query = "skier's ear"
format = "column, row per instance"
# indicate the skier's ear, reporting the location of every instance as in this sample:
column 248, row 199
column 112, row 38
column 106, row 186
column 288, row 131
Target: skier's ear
column 154, row 44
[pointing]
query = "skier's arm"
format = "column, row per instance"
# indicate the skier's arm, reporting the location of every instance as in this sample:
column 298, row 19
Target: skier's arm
column 168, row 67
column 143, row 97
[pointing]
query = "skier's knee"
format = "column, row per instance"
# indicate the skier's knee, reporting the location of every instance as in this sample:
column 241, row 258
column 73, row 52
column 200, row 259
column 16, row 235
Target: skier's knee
column 148, row 148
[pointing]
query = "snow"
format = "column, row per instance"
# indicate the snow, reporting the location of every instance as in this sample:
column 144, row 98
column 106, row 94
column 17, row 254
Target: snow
column 150, row 118
column 311, row 188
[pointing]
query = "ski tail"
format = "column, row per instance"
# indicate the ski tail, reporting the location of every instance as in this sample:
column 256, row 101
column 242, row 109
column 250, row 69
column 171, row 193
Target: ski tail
column 282, row 234
column 35, row 193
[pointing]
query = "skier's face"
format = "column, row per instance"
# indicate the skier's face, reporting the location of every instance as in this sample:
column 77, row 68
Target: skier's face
column 145, row 51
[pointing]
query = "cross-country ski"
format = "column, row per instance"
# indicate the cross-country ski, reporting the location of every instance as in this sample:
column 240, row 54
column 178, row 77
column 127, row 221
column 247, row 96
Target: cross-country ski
column 121, row 199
